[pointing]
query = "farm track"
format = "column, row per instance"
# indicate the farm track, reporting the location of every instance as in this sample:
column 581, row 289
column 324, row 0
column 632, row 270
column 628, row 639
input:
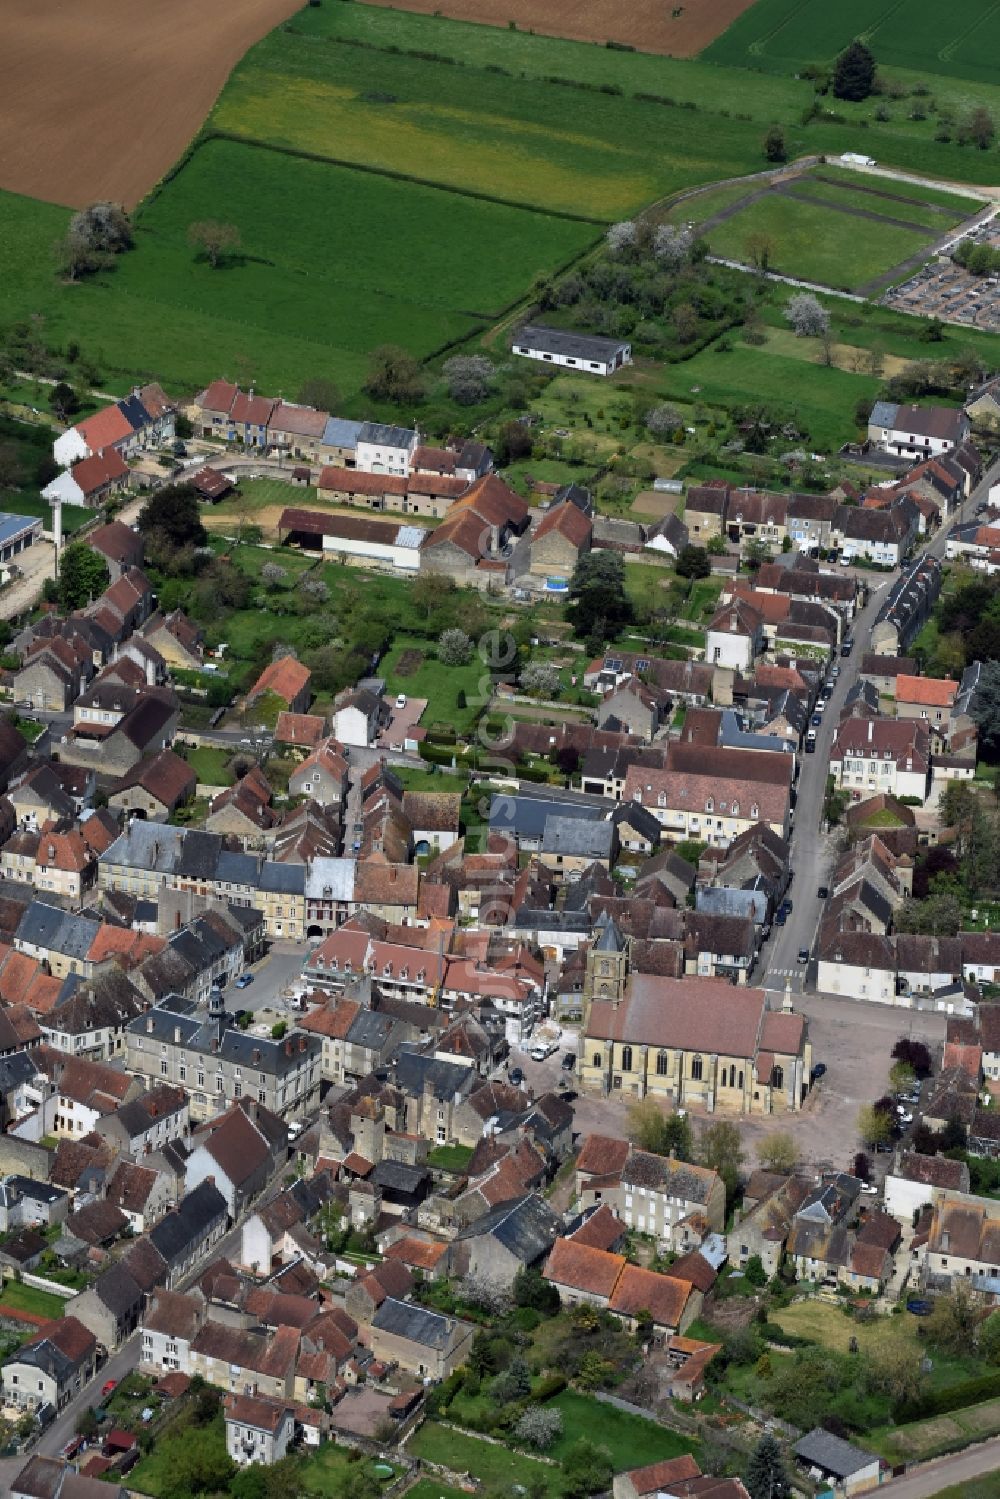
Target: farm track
column 877, row 192
column 99, row 100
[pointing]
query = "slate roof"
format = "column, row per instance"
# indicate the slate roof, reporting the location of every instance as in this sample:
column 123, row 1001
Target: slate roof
column 188, row 1222
column 416, row 1323
column 820, row 1448
column 526, row 1226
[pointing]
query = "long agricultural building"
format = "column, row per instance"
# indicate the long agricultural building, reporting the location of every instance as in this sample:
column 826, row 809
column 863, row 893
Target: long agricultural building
column 361, row 541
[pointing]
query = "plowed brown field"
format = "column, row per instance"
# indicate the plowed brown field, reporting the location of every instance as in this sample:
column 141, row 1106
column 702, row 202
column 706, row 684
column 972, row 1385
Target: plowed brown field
column 99, row 97
column 647, row 25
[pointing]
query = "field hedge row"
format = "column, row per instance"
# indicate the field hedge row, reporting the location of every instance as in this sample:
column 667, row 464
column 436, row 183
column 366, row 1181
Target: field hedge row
column 939, row 1402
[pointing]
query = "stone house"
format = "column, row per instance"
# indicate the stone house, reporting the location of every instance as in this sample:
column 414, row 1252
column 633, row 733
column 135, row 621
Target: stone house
column 258, row 1430
column 52, row 1368
column 559, row 540
column 155, row 787
column 419, row 1340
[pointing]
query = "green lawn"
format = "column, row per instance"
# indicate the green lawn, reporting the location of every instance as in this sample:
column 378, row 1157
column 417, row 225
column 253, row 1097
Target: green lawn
column 15, row 1293
column 152, row 1474
column 987, row 1487
column 816, row 243
column 210, row 765
column 493, row 1465
column 438, row 683
column 450, row 1157
column 325, row 1470
column 646, row 584
column 632, row 1441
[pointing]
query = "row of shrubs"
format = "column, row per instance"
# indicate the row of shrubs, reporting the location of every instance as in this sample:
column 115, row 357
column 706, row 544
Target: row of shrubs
column 939, row 1402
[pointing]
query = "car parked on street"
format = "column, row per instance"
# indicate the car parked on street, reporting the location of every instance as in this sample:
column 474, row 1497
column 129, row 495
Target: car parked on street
column 803, row 955
column 516, row 1076
column 823, row 892
column 818, row 1071
column 244, row 981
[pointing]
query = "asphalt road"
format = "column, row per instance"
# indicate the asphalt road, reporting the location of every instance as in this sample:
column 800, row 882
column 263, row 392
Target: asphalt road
column 124, row 1360
column 813, row 851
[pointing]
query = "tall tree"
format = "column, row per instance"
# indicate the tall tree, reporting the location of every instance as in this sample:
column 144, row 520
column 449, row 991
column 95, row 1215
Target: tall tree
column 394, row 375
column 173, row 512
column 649, row 1128
column 766, row 1475
column 320, row 392
column 721, row 1147
column 854, row 72
column 774, row 144
column 216, row 241
column 83, row 574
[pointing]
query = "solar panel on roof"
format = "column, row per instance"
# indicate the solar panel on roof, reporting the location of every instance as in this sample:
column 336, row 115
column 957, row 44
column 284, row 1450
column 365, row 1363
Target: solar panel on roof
column 613, row 663
column 642, row 664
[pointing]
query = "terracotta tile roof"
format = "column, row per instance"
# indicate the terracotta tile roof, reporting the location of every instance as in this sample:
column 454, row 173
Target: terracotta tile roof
column 602, row 1155
column 640, row 1290
column 130, row 1186
column 104, row 428
column 417, row 1253
column 93, row 474
column 254, row 410
column 306, row 421
column 580, row 1268
column 165, row 776
column 304, row 730
column 355, row 481
column 235, row 1143
column 279, row 1309
column 693, row 1014
column 602, row 1230
column 286, row 678
column 69, row 1335
column 386, row 884
column 219, row 396
column 661, row 1477
column 333, row 1020
column 568, row 520
column 257, row 1410
column 926, row 691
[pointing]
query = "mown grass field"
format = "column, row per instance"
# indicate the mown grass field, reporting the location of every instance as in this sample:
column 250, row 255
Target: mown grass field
column 816, row 243
column 523, row 140
column 334, row 262
column 338, row 256
column 962, row 40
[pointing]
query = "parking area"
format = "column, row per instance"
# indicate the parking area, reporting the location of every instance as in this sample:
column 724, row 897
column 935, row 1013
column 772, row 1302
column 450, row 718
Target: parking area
column 360, row 1411
column 404, row 719
column 852, row 1040
column 945, row 289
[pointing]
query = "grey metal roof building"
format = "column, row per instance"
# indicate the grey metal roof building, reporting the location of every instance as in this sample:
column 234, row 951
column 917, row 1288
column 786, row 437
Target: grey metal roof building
column 341, row 433
column 578, row 838
column 833, row 1456
column 383, row 435
column 585, row 346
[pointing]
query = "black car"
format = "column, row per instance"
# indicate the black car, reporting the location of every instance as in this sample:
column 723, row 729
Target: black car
column 569, row 1061
column 823, row 892
column 803, row 955
column 819, row 1071
column 817, row 719
column 516, row 1076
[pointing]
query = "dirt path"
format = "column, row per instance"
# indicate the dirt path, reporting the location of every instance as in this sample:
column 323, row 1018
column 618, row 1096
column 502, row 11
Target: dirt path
column 877, row 192
column 852, row 210
column 98, row 100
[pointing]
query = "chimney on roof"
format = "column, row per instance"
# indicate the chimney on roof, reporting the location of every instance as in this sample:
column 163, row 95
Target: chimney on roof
column 871, row 730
